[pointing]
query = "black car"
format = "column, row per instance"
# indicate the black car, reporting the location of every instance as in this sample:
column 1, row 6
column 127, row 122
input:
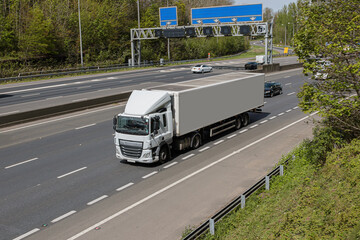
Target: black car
column 251, row 65
column 272, row 88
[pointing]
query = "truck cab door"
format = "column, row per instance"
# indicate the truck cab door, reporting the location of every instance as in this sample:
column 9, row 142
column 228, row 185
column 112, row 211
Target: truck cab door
column 162, row 133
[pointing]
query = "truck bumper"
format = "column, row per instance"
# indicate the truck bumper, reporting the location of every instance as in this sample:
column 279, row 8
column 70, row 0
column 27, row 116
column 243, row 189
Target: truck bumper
column 146, row 156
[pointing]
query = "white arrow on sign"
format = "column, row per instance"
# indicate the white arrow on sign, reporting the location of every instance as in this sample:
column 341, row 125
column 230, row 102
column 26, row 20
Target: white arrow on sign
column 252, row 18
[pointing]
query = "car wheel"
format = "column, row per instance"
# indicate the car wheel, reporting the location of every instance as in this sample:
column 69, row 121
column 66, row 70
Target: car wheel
column 280, row 92
column 271, row 94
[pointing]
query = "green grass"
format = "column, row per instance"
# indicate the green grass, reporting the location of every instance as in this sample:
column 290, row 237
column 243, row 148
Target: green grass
column 308, row 202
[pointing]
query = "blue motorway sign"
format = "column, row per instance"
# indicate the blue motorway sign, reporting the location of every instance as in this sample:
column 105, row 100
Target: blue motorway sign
column 168, row 16
column 227, row 14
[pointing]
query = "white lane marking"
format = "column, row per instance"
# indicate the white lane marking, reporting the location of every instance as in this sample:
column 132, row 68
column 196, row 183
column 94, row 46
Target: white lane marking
column 2, row 114
column 265, row 102
column 75, row 171
column 295, row 107
column 54, row 97
column 84, row 87
column 97, row 80
column 63, row 216
column 188, row 156
column 77, row 82
column 90, row 125
column 264, row 121
column 78, row 100
column 17, row 164
column 30, row 95
column 171, row 164
column 27, row 234
column 218, row 142
column 125, row 186
column 97, row 200
column 39, row 88
column 204, row 149
column 150, row 174
column 286, row 76
column 126, row 81
column 288, row 84
column 60, row 119
column 254, row 126
column 288, row 110
column 111, row 78
column 180, row 181
column 280, row 114
column 105, row 89
column 272, row 117
column 291, row 93
column 178, row 77
column 231, row 136
column 245, row 130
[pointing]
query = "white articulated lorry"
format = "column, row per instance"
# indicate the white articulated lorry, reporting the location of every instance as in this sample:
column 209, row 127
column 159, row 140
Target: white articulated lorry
column 181, row 115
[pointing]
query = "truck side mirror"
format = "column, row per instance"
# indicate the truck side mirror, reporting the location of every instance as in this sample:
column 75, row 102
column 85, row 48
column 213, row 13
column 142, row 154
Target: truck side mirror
column 114, row 122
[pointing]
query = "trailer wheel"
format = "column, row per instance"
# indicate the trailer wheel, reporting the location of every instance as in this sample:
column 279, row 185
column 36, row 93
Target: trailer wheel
column 195, row 141
column 163, row 154
column 238, row 123
column 245, row 119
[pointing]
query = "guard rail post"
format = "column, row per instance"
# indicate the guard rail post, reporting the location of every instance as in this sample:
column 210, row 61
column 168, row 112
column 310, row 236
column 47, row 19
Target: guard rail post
column 267, row 182
column 212, row 226
column 242, row 200
column 281, row 170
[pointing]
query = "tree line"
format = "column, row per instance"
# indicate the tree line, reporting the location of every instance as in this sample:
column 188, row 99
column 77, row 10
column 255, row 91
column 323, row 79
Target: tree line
column 34, row 30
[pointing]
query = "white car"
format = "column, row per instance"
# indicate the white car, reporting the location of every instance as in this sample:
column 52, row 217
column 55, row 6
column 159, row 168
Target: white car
column 201, row 68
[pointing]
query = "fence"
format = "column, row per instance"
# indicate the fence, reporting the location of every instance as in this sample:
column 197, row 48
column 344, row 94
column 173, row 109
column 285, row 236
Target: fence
column 240, row 200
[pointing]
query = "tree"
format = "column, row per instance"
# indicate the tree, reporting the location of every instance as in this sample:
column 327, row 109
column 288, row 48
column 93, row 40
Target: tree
column 331, row 30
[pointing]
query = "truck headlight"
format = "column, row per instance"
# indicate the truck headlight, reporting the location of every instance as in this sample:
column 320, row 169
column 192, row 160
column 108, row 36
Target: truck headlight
column 267, row 91
column 146, row 155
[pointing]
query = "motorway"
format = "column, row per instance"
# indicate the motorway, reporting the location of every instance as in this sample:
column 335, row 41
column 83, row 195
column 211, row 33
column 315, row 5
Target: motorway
column 58, row 169
column 20, row 97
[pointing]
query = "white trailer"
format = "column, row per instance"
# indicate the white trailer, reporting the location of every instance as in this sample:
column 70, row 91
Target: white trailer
column 180, row 115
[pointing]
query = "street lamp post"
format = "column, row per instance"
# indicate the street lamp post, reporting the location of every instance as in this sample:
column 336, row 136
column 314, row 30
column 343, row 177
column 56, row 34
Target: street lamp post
column 139, row 43
column 81, row 53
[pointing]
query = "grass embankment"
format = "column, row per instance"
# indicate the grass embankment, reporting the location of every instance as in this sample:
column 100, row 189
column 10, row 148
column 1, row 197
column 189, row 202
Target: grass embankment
column 311, row 201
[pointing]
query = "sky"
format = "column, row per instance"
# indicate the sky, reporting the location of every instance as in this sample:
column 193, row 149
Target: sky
column 274, row 4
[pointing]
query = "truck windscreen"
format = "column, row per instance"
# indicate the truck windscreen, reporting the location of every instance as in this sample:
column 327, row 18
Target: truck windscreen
column 133, row 125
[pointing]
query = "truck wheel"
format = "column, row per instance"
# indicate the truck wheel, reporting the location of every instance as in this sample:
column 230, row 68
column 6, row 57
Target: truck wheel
column 245, row 119
column 195, row 141
column 163, row 154
column 238, row 123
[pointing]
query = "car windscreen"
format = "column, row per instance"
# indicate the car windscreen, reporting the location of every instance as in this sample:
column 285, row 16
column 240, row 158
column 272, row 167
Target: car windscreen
column 133, row 125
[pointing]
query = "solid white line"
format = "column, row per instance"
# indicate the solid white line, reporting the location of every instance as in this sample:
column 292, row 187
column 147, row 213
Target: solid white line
column 78, row 100
column 286, row 76
column 218, row 142
column 281, row 114
column 150, row 174
column 288, row 110
column 245, row 130
column 60, row 119
column 272, row 117
column 27, row 234
column 254, row 126
column 291, row 93
column 179, row 181
column 32, row 89
column 90, row 125
column 264, row 121
column 288, row 84
column 178, row 77
column 80, row 169
column 125, row 186
column 171, row 164
column 231, row 136
column 63, row 216
column 97, row 200
column 17, row 164
column 2, row 114
column 188, row 156
column 204, row 149
column 105, row 89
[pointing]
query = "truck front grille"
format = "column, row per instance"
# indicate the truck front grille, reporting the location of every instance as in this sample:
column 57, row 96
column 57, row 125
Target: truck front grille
column 130, row 148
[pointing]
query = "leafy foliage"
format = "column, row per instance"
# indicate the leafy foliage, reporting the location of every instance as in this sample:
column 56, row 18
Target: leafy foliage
column 331, row 30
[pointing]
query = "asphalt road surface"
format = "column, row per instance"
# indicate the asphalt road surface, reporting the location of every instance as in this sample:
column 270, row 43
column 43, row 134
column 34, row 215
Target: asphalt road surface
column 59, row 169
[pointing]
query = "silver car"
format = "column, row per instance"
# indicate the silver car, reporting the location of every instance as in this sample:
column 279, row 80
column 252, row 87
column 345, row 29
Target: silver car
column 200, row 68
